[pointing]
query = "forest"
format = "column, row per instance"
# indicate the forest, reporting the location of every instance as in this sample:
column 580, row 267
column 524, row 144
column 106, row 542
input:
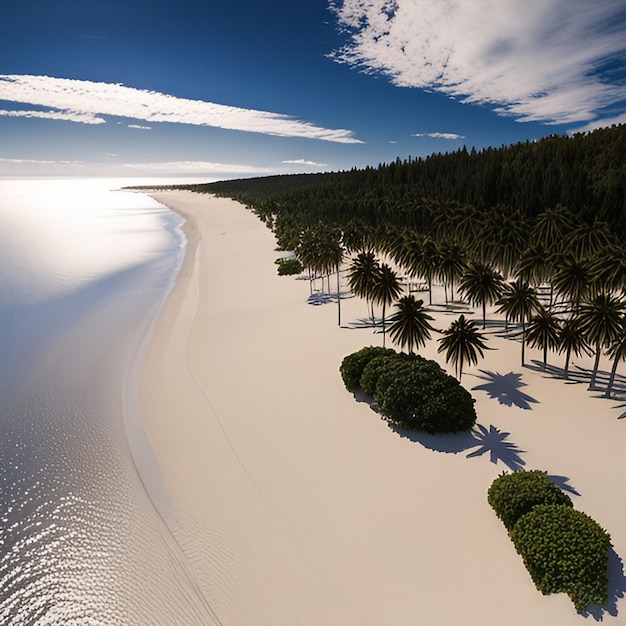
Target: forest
column 538, row 228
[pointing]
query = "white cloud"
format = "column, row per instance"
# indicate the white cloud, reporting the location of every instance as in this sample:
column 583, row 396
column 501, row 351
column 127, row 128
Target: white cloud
column 200, row 167
column 40, row 162
column 440, row 135
column 536, row 60
column 609, row 121
column 82, row 100
column 305, row 162
column 67, row 116
column 140, row 127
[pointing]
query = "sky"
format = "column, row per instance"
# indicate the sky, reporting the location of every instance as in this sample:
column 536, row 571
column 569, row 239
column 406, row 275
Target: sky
column 242, row 88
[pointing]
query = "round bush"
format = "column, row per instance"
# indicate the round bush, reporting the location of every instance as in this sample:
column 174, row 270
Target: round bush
column 288, row 267
column 386, row 365
column 514, row 495
column 566, row 551
column 353, row 365
column 419, row 395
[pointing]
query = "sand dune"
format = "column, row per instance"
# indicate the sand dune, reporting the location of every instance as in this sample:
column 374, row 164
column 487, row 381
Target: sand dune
column 296, row 504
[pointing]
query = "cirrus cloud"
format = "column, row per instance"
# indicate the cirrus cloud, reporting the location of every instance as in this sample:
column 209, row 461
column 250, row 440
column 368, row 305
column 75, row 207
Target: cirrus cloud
column 86, row 101
column 550, row 61
column 440, row 135
column 74, row 116
column 305, row 162
column 200, row 167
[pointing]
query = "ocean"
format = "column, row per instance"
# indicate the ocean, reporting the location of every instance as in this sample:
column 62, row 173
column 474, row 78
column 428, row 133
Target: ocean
column 84, row 271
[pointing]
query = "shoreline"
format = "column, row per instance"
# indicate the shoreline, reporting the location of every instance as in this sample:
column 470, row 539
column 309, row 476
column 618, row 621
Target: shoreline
column 294, row 503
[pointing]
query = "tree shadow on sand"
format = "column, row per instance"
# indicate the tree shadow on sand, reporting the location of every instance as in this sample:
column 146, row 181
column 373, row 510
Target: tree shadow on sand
column 617, row 589
column 367, row 322
column 506, row 389
column 479, row 441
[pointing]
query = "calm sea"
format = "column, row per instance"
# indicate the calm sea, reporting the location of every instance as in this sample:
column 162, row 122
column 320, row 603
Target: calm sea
column 84, row 270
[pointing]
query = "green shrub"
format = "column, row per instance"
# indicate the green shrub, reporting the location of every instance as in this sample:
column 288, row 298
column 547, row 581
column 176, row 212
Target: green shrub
column 419, row 395
column 353, row 365
column 514, row 495
column 288, row 267
column 566, row 551
column 385, row 365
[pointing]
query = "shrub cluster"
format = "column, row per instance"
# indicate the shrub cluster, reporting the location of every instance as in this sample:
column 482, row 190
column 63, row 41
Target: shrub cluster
column 410, row 391
column 514, row 495
column 288, row 267
column 563, row 549
column 352, row 366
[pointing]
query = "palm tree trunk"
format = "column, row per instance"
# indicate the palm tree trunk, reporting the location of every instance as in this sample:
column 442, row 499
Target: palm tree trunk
column 545, row 356
column 567, row 357
column 592, row 384
column 384, row 328
column 484, row 313
column 523, row 341
column 612, row 377
column 460, row 368
column 338, row 299
column 430, row 291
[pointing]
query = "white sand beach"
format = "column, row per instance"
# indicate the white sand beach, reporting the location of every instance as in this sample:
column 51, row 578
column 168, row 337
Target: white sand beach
column 295, row 504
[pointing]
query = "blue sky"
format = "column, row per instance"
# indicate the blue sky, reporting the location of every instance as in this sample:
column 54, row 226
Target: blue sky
column 239, row 88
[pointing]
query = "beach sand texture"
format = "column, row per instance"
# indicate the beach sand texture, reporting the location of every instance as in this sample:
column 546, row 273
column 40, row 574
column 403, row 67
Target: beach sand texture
column 295, row 504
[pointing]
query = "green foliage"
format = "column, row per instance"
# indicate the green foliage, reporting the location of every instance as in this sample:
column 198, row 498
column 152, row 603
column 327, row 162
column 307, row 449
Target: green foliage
column 410, row 391
column 566, row 551
column 417, row 394
column 288, row 267
column 514, row 495
column 385, row 367
column 353, row 365
column 373, row 371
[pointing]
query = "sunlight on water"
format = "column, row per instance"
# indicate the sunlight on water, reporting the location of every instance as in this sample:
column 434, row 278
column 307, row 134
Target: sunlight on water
column 83, row 271
column 57, row 235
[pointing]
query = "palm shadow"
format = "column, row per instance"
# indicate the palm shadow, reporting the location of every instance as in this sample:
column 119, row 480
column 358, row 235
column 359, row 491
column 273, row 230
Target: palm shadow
column 494, row 441
column 562, row 482
column 479, row 441
column 506, row 389
column 579, row 374
column 617, row 589
column 367, row 322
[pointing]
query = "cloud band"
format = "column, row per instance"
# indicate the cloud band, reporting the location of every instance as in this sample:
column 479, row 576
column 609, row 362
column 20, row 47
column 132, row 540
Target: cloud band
column 551, row 61
column 85, row 102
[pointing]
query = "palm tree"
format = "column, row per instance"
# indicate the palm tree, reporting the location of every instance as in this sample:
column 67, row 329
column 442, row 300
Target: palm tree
column 591, row 236
column 332, row 253
column 518, row 303
column 601, row 323
column 452, row 264
column 533, row 265
column 572, row 339
column 504, row 236
column 410, row 323
column 617, row 352
column 420, row 256
column 462, row 343
column 361, row 276
column 544, row 331
column 481, row 284
column 385, row 289
column 608, row 267
column 572, row 279
column 552, row 227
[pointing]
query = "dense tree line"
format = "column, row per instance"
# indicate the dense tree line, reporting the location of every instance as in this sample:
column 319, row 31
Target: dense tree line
column 584, row 173
column 537, row 228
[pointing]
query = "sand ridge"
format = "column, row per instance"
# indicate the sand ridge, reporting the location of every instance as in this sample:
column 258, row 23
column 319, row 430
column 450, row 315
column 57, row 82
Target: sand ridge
column 295, row 504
